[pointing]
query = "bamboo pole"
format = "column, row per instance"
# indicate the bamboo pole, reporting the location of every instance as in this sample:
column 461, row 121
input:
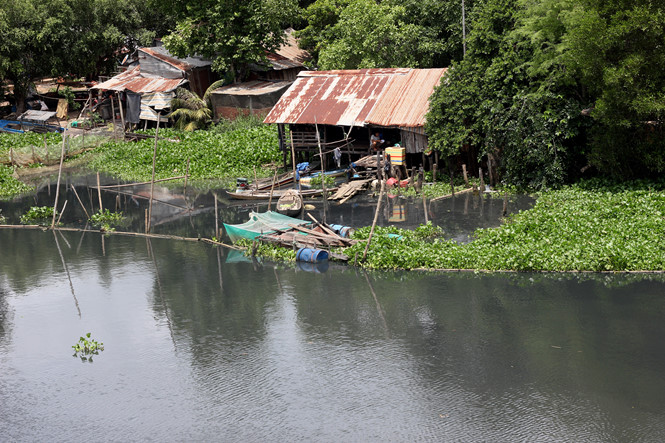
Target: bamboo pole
column 216, row 217
column 57, row 187
column 376, row 217
column 143, row 183
column 323, row 171
column 115, row 134
column 122, row 115
column 466, row 177
column 80, row 202
column 99, row 195
column 61, row 212
column 293, row 160
column 272, row 188
column 152, row 181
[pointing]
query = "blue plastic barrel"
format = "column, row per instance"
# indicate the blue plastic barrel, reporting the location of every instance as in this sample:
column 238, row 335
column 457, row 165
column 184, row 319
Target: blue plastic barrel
column 343, row 231
column 311, row 255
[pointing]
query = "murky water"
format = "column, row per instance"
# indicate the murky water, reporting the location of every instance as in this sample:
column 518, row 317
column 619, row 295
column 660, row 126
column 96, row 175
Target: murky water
column 201, row 345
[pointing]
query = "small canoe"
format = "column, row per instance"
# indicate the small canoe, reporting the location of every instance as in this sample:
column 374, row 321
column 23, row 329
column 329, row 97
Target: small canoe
column 290, row 203
column 306, row 182
column 263, row 195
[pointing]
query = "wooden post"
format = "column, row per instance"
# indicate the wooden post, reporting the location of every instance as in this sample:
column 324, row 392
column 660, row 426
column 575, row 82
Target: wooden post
column 115, row 135
column 272, row 188
column 436, row 166
column 62, row 212
column 152, row 181
column 80, row 202
column 452, row 185
column 99, row 194
column 466, row 177
column 376, row 217
column 323, row 171
column 505, row 203
column 216, row 216
column 57, row 187
column 122, row 115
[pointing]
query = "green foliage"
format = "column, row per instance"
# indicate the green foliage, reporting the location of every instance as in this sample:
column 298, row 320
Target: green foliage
column 267, row 251
column 316, row 182
column 349, row 34
column 3, row 219
column 217, row 153
column 190, row 111
column 86, row 347
column 232, row 33
column 528, row 120
column 68, row 94
column 58, row 37
column 107, row 219
column 9, row 186
column 38, row 214
column 593, row 226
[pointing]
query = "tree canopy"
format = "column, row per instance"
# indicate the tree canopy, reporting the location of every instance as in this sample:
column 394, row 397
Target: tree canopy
column 61, row 37
column 232, row 33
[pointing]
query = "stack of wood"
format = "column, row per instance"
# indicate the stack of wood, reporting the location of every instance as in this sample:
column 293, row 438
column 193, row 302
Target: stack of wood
column 348, row 190
column 369, row 161
column 319, row 235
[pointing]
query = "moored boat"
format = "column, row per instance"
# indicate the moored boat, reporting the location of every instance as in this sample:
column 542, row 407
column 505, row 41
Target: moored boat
column 290, row 203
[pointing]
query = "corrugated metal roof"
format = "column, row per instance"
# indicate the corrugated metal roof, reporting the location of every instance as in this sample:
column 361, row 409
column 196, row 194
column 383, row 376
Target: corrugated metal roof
column 132, row 80
column 384, row 97
column 184, row 64
column 406, row 101
column 291, row 50
column 255, row 87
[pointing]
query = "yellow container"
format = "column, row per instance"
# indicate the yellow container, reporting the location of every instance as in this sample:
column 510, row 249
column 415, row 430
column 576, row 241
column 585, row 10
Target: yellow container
column 396, row 155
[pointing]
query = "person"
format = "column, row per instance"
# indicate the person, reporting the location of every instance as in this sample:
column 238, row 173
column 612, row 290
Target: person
column 376, row 142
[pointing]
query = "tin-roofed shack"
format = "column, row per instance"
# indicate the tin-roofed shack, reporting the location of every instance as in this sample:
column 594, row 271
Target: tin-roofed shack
column 347, row 106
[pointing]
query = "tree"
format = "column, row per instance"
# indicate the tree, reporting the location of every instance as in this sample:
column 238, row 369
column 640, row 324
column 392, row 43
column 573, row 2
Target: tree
column 60, row 37
column 524, row 120
column 190, row 111
column 349, row 34
column 233, row 33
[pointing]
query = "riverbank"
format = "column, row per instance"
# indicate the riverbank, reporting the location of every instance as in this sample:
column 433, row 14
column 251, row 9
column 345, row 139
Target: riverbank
column 592, row 226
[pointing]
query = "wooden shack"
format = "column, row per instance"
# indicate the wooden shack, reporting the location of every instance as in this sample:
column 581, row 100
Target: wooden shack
column 343, row 108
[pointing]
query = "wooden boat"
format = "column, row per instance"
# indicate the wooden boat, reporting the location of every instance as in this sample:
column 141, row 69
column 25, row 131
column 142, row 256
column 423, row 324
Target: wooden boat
column 261, row 223
column 305, row 182
column 265, row 195
column 290, row 203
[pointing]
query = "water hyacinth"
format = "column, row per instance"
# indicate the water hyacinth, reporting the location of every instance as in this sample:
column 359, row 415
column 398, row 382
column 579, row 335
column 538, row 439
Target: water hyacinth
column 587, row 227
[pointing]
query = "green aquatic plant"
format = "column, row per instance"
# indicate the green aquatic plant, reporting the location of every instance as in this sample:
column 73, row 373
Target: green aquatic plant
column 107, row 218
column 8, row 184
column 86, row 347
column 37, row 214
column 212, row 154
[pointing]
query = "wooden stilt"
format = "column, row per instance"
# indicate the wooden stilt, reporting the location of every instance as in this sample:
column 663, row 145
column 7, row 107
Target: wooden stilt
column 57, row 188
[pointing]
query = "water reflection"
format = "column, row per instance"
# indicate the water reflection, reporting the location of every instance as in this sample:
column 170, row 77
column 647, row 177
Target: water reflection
column 191, row 212
column 202, row 346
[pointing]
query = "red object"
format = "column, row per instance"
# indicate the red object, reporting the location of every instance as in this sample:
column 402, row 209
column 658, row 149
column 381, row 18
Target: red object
column 404, row 183
column 391, row 182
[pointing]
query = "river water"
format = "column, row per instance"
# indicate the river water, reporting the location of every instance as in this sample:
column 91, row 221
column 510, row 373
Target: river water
column 203, row 345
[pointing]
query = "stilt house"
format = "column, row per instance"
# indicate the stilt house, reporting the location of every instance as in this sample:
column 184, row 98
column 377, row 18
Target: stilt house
column 343, row 108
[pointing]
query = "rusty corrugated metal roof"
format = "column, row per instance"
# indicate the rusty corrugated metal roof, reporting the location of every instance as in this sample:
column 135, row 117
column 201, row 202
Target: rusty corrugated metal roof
column 406, row 100
column 291, row 50
column 132, row 80
column 384, row 97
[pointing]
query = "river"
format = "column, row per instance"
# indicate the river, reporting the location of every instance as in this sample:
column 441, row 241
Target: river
column 204, row 345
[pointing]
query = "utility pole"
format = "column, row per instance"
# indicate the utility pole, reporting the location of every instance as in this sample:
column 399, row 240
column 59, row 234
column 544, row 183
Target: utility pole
column 463, row 31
